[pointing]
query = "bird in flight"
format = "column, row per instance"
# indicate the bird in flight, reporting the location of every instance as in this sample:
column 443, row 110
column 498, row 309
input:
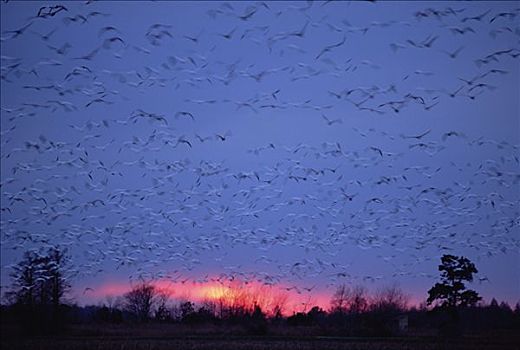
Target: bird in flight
column 418, row 137
column 51, row 11
column 331, row 47
column 184, row 114
column 183, row 140
column 228, row 35
column 453, row 54
column 331, row 121
column 223, row 137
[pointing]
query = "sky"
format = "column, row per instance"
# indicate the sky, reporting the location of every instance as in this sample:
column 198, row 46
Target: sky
column 299, row 145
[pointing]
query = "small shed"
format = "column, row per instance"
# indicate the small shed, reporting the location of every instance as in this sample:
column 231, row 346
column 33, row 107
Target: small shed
column 402, row 323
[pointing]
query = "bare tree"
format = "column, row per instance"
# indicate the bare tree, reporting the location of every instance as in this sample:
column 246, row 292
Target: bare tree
column 57, row 282
column 279, row 303
column 162, row 312
column 41, row 279
column 187, row 309
column 358, row 300
column 349, row 299
column 40, row 283
column 340, row 299
column 390, row 300
column 141, row 300
column 24, row 277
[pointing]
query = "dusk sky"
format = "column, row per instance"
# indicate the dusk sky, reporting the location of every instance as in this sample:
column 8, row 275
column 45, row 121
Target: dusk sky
column 299, row 145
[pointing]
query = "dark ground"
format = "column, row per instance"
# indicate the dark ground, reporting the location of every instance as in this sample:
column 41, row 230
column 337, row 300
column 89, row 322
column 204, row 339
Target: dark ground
column 252, row 343
column 165, row 337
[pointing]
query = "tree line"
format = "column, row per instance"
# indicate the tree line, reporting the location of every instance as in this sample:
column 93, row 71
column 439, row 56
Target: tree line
column 40, row 283
column 37, row 303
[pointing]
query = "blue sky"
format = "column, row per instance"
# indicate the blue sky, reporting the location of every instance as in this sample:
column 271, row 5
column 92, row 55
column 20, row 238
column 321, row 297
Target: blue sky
column 316, row 177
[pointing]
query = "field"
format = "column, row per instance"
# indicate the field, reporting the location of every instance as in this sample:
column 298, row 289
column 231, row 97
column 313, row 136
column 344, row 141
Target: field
column 200, row 342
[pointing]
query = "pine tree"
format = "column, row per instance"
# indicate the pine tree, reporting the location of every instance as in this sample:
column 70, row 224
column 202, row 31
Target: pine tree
column 451, row 292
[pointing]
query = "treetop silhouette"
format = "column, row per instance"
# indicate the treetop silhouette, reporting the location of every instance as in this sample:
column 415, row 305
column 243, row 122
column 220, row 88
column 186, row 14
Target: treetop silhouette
column 452, row 292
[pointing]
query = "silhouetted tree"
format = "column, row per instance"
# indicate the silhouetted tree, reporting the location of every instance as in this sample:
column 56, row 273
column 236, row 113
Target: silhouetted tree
column 162, row 313
column 340, row 299
column 390, row 300
column 387, row 304
column 278, row 304
column 40, row 282
column 516, row 315
column 316, row 315
column 349, row 300
column 358, row 300
column 206, row 314
column 451, row 292
column 140, row 300
column 187, row 309
column 56, row 279
column 209, row 306
column 257, row 323
column 24, row 277
column 107, row 314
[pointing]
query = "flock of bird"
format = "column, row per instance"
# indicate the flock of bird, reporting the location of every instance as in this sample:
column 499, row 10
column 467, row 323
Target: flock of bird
column 259, row 140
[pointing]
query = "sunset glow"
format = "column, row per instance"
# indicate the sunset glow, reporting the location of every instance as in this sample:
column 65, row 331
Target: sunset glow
column 233, row 293
column 214, row 292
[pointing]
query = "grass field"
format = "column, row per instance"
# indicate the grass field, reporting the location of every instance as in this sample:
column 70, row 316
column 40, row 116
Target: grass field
column 178, row 336
column 259, row 343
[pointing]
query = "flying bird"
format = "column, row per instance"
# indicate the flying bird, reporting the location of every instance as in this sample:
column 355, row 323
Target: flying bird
column 184, row 114
column 331, row 121
column 223, row 137
column 331, row 47
column 453, row 54
column 419, row 136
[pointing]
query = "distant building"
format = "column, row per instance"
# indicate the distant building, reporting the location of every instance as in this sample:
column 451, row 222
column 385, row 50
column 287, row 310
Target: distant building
column 402, row 323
